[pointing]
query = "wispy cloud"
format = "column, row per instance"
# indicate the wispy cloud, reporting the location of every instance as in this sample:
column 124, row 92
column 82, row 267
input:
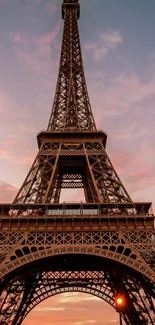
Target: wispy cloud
column 46, row 39
column 121, row 94
column 84, row 312
column 19, row 38
column 105, row 42
column 87, row 321
column 35, row 52
column 52, row 7
column 7, row 192
column 76, row 297
column 50, row 309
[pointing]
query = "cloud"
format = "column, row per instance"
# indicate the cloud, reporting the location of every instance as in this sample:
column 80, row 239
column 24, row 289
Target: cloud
column 124, row 108
column 50, row 309
column 17, row 145
column 35, row 51
column 121, row 158
column 52, row 7
column 7, row 192
column 46, row 39
column 84, row 312
column 60, row 309
column 105, row 42
column 19, row 38
column 75, row 298
column 89, row 321
column 111, row 38
column 120, row 95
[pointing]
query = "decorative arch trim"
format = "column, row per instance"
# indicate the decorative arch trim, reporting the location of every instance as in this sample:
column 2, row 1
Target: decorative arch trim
column 136, row 264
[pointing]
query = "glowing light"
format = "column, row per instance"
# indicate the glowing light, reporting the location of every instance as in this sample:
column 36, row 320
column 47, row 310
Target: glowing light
column 119, row 301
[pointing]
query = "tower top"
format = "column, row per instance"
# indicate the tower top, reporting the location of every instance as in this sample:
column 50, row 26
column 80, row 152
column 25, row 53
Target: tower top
column 69, row 5
column 71, row 109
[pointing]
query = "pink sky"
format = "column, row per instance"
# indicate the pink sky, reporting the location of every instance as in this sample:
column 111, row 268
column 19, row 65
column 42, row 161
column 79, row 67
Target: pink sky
column 72, row 309
column 119, row 58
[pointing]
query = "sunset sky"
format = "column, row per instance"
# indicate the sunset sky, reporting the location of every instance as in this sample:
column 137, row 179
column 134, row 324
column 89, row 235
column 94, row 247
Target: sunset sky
column 118, row 46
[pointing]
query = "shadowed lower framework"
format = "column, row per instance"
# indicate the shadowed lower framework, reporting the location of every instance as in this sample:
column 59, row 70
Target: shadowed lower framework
column 105, row 246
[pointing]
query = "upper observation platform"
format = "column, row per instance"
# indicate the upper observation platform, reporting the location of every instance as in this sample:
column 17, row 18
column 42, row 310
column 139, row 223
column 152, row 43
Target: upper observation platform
column 70, row 4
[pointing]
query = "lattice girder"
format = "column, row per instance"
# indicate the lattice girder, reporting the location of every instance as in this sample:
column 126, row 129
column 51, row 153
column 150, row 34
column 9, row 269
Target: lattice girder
column 10, row 300
column 120, row 246
column 71, row 109
column 36, row 287
column 86, row 161
column 48, row 284
column 52, row 283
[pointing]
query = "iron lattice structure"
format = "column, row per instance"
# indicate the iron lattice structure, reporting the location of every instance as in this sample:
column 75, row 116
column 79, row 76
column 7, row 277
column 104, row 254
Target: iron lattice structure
column 104, row 246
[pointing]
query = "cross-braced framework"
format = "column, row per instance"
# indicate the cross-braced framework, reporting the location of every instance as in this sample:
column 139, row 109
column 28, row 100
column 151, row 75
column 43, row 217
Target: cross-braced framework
column 72, row 165
column 71, row 108
column 36, row 287
column 102, row 247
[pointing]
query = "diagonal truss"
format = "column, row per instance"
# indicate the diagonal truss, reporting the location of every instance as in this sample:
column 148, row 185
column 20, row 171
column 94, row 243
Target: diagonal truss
column 111, row 230
column 21, row 296
column 71, row 107
column 72, row 165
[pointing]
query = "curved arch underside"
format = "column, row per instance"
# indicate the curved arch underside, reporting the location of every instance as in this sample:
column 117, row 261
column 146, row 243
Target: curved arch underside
column 109, row 245
column 45, row 292
column 83, row 273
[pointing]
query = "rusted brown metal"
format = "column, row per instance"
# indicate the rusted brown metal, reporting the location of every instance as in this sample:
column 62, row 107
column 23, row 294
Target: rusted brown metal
column 102, row 247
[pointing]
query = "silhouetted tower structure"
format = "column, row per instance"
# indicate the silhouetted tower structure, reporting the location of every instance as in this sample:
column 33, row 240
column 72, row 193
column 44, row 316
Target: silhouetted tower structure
column 105, row 246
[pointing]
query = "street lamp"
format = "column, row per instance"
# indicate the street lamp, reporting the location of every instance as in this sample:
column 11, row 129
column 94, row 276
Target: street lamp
column 120, row 305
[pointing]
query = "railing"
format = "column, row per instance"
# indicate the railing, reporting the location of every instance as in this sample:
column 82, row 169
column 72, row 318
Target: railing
column 81, row 209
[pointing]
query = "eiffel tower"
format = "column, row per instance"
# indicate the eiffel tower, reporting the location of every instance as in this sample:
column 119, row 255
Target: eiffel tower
column 105, row 246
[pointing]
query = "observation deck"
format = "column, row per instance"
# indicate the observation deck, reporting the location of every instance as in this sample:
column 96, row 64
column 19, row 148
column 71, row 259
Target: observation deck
column 76, row 216
column 71, row 4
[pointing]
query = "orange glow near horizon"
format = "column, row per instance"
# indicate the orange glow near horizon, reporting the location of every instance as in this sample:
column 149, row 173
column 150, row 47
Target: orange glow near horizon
column 72, row 308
